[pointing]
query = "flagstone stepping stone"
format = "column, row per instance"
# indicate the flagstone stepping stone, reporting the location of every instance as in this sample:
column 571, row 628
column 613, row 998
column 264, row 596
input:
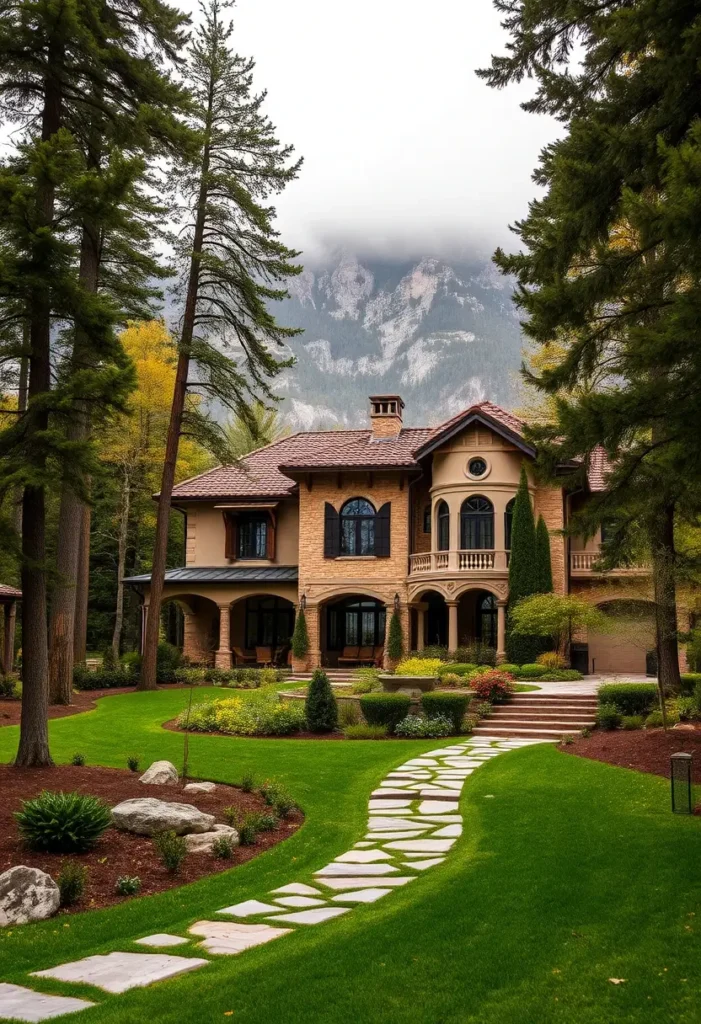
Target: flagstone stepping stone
column 380, row 805
column 409, row 775
column 442, row 751
column 453, row 773
column 462, row 762
column 452, row 784
column 388, row 794
column 230, row 937
column 364, row 844
column 389, row 824
column 420, row 762
column 438, row 794
column 161, row 939
column 438, row 806
column 385, row 811
column 300, row 901
column 312, row 916
column 362, row 856
column 422, row 865
column 422, row 845
column 21, row 1003
column 444, row 819
column 118, row 972
column 355, row 869
column 449, row 830
column 383, row 836
column 297, row 889
column 247, row 908
column 361, row 896
column 145, row 816
column 365, row 883
column 395, row 785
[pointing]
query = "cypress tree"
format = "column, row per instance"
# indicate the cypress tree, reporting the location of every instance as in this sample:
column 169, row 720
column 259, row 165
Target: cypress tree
column 300, row 636
column 320, row 707
column 543, row 562
column 236, row 265
column 610, row 263
column 523, row 570
column 395, row 638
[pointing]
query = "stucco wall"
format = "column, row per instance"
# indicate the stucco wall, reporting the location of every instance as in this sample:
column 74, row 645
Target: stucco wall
column 206, row 540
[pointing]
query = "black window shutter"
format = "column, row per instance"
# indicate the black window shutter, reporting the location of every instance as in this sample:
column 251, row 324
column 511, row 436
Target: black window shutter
column 332, row 532
column 382, row 531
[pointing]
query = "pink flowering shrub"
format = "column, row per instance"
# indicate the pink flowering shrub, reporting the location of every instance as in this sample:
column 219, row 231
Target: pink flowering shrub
column 494, row 686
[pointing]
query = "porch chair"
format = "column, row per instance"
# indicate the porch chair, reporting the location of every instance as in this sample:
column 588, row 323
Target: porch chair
column 366, row 655
column 379, row 656
column 349, row 656
column 264, row 656
column 241, row 657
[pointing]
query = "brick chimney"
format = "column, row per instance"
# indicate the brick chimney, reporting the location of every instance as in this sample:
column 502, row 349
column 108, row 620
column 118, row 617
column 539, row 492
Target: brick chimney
column 385, row 415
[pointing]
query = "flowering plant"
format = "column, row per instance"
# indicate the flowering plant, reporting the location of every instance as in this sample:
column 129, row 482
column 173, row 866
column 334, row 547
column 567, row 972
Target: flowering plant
column 494, row 686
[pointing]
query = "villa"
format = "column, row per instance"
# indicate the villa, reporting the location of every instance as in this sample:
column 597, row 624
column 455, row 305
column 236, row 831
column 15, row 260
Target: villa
column 351, row 524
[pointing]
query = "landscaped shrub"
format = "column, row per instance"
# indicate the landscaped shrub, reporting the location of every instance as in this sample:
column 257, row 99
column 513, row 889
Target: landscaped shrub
column 684, row 708
column 131, row 663
column 452, row 679
column 630, row 698
column 530, row 671
column 248, row 782
column 366, row 680
column 133, row 762
column 631, row 722
column 494, row 686
column 269, row 676
column 562, row 675
column 300, row 636
column 348, row 713
column 8, row 687
column 260, row 715
column 484, row 710
column 103, row 680
column 109, row 660
column 450, row 705
column 385, row 708
column 395, row 638
column 458, row 668
column 507, row 667
column 654, row 720
column 551, row 660
column 693, row 651
column 78, row 760
column 608, row 716
column 62, row 822
column 475, row 653
column 689, row 682
column 189, row 676
column 424, row 727
column 363, row 731
column 418, row 667
column 71, row 882
column 168, row 661
column 435, row 651
column 320, row 707
column 128, row 885
column 171, row 848
column 223, row 848
column 276, row 796
column 697, row 698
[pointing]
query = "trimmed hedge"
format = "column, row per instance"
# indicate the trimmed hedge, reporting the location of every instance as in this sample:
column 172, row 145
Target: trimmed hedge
column 689, row 682
column 450, row 705
column 83, row 679
column 386, row 709
column 457, row 668
column 630, row 698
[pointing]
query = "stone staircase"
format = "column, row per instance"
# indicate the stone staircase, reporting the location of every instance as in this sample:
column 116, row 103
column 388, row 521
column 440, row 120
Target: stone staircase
column 540, row 716
column 340, row 679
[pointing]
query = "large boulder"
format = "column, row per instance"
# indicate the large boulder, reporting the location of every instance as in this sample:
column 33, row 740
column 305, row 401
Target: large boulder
column 199, row 787
column 146, row 816
column 161, row 773
column 27, row 894
column 203, row 842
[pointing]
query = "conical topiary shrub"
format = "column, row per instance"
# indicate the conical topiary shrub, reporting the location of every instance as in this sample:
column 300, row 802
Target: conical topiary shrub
column 300, row 636
column 320, row 707
column 395, row 638
column 543, row 562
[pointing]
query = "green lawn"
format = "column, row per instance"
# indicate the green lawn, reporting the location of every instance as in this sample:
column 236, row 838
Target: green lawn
column 570, row 873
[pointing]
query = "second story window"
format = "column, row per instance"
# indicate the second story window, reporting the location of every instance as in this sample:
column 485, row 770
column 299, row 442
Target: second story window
column 253, row 536
column 508, row 522
column 427, row 518
column 358, row 528
column 477, row 524
column 443, row 523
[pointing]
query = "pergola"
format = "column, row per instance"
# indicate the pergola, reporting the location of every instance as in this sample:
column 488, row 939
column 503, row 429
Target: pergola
column 9, row 596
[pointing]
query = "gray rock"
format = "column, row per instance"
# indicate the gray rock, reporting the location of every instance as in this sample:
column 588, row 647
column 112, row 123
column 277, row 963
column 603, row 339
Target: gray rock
column 27, row 894
column 203, row 842
column 146, row 816
column 161, row 773
column 199, row 787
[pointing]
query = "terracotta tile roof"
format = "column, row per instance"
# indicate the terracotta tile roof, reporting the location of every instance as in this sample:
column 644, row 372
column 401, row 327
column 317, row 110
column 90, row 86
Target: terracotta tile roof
column 6, row 591
column 263, row 473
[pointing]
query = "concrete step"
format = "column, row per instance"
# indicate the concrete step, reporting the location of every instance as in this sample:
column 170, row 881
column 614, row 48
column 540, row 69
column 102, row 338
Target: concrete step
column 489, row 729
column 536, row 698
column 551, row 716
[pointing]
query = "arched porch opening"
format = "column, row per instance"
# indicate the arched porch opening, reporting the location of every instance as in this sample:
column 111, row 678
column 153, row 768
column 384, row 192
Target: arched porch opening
column 477, row 618
column 191, row 623
column 352, row 630
column 260, row 630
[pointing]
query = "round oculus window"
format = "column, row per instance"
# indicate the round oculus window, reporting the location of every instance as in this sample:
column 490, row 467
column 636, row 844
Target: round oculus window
column 477, row 467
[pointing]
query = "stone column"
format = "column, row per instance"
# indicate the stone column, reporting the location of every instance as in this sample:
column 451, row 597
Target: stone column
column 501, row 631
column 452, row 625
column 8, row 653
column 222, row 656
column 420, row 627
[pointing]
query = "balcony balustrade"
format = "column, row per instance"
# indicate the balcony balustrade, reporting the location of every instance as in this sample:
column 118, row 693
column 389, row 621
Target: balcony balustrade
column 585, row 563
column 459, row 562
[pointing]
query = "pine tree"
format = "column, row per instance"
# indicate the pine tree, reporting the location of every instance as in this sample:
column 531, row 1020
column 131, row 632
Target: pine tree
column 300, row 636
column 245, row 434
column 395, row 638
column 320, row 708
column 523, row 570
column 237, row 265
column 543, row 561
column 611, row 258
column 56, row 63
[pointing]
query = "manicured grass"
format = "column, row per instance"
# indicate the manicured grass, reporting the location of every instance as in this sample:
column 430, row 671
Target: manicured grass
column 570, row 872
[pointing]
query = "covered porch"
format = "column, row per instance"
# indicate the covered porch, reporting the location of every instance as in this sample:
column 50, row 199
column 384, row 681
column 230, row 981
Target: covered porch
column 473, row 615
column 9, row 599
column 229, row 617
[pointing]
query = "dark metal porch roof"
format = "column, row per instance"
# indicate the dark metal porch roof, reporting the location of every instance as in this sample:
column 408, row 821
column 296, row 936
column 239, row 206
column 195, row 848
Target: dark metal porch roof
column 225, row 574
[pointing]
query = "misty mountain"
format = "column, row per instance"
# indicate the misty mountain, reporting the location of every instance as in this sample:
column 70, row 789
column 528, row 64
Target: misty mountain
column 442, row 334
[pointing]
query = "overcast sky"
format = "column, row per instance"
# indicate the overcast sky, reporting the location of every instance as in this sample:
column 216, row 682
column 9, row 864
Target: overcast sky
column 405, row 149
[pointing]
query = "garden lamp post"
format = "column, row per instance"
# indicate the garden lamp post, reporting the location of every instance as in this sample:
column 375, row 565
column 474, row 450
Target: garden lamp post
column 680, row 777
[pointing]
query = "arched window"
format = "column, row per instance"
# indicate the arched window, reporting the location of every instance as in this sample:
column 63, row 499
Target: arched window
column 487, row 620
column 427, row 519
column 358, row 527
column 476, row 524
column 443, row 523
column 508, row 521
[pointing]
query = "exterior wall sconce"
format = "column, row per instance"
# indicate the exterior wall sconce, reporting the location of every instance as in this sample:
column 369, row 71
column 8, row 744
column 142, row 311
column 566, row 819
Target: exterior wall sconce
column 396, row 602
column 303, row 602
column 680, row 776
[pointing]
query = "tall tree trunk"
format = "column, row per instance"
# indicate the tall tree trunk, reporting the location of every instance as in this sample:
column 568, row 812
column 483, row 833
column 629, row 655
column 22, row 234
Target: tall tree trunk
column 21, row 408
column 34, row 728
column 661, row 531
column 121, row 561
column 70, row 520
column 80, row 631
column 147, row 680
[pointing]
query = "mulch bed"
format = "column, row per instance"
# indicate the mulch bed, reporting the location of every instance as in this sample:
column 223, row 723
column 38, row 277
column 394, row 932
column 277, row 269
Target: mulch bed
column 123, row 853
column 644, row 750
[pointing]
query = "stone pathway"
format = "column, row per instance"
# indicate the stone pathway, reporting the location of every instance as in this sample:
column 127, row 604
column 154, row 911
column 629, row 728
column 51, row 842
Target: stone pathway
column 413, row 822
